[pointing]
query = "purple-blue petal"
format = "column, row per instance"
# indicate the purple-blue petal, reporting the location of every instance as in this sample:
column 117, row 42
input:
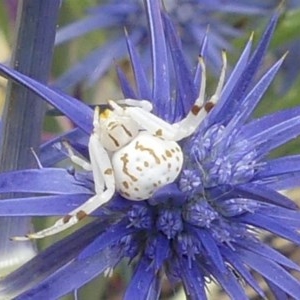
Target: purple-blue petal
column 192, row 278
column 49, row 153
column 185, row 88
column 117, row 8
column 267, row 252
column 71, row 276
column 80, row 113
column 47, row 262
column 45, row 181
column 79, row 28
column 263, row 123
column 269, row 139
column 252, row 99
column 262, row 193
column 161, row 79
column 230, row 84
column 142, row 84
column 291, row 218
column 272, row 271
column 112, row 235
column 284, row 181
column 140, row 283
column 212, row 250
column 228, row 282
column 271, row 225
column 54, row 205
column 238, row 265
column 237, row 94
column 162, row 251
column 277, row 292
column 95, row 64
column 154, row 289
column 125, row 85
column 278, row 166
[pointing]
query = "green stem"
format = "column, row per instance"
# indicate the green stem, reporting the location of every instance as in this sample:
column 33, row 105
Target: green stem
column 23, row 113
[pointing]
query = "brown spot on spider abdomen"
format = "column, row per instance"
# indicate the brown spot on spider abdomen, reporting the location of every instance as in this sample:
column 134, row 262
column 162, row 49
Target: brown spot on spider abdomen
column 158, row 132
column 168, row 153
column 125, row 162
column 108, row 171
column 150, row 150
column 125, row 184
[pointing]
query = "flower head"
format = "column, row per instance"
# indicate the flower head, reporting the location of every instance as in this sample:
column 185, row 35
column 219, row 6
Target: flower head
column 193, row 20
column 202, row 226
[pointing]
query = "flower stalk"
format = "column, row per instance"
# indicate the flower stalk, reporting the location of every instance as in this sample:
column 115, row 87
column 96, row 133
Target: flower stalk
column 23, row 115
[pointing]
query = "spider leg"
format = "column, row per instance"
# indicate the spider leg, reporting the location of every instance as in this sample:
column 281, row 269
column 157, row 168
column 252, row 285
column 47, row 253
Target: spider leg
column 200, row 109
column 145, row 119
column 75, row 158
column 82, row 163
column 102, row 169
column 216, row 96
column 186, row 126
column 36, row 158
column 144, row 104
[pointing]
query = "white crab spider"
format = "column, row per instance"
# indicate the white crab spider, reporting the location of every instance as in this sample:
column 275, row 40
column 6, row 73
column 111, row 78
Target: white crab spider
column 134, row 152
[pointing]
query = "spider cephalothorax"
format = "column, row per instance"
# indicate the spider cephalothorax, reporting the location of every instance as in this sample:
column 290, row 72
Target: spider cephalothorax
column 134, row 152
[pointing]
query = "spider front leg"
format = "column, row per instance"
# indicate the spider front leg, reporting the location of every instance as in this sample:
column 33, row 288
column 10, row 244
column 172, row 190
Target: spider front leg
column 75, row 158
column 187, row 125
column 102, row 170
column 144, row 104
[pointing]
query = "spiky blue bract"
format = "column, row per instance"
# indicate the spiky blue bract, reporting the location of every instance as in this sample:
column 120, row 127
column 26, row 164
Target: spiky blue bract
column 193, row 18
column 204, row 225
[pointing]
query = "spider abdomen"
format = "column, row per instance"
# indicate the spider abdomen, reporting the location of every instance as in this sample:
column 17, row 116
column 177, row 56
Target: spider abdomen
column 145, row 164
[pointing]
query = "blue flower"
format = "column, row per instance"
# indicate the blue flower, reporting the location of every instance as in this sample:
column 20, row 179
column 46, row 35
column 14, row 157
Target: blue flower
column 202, row 226
column 193, row 18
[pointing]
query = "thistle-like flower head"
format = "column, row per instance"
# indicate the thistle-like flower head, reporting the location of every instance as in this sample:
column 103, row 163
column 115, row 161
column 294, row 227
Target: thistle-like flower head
column 192, row 18
column 203, row 226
